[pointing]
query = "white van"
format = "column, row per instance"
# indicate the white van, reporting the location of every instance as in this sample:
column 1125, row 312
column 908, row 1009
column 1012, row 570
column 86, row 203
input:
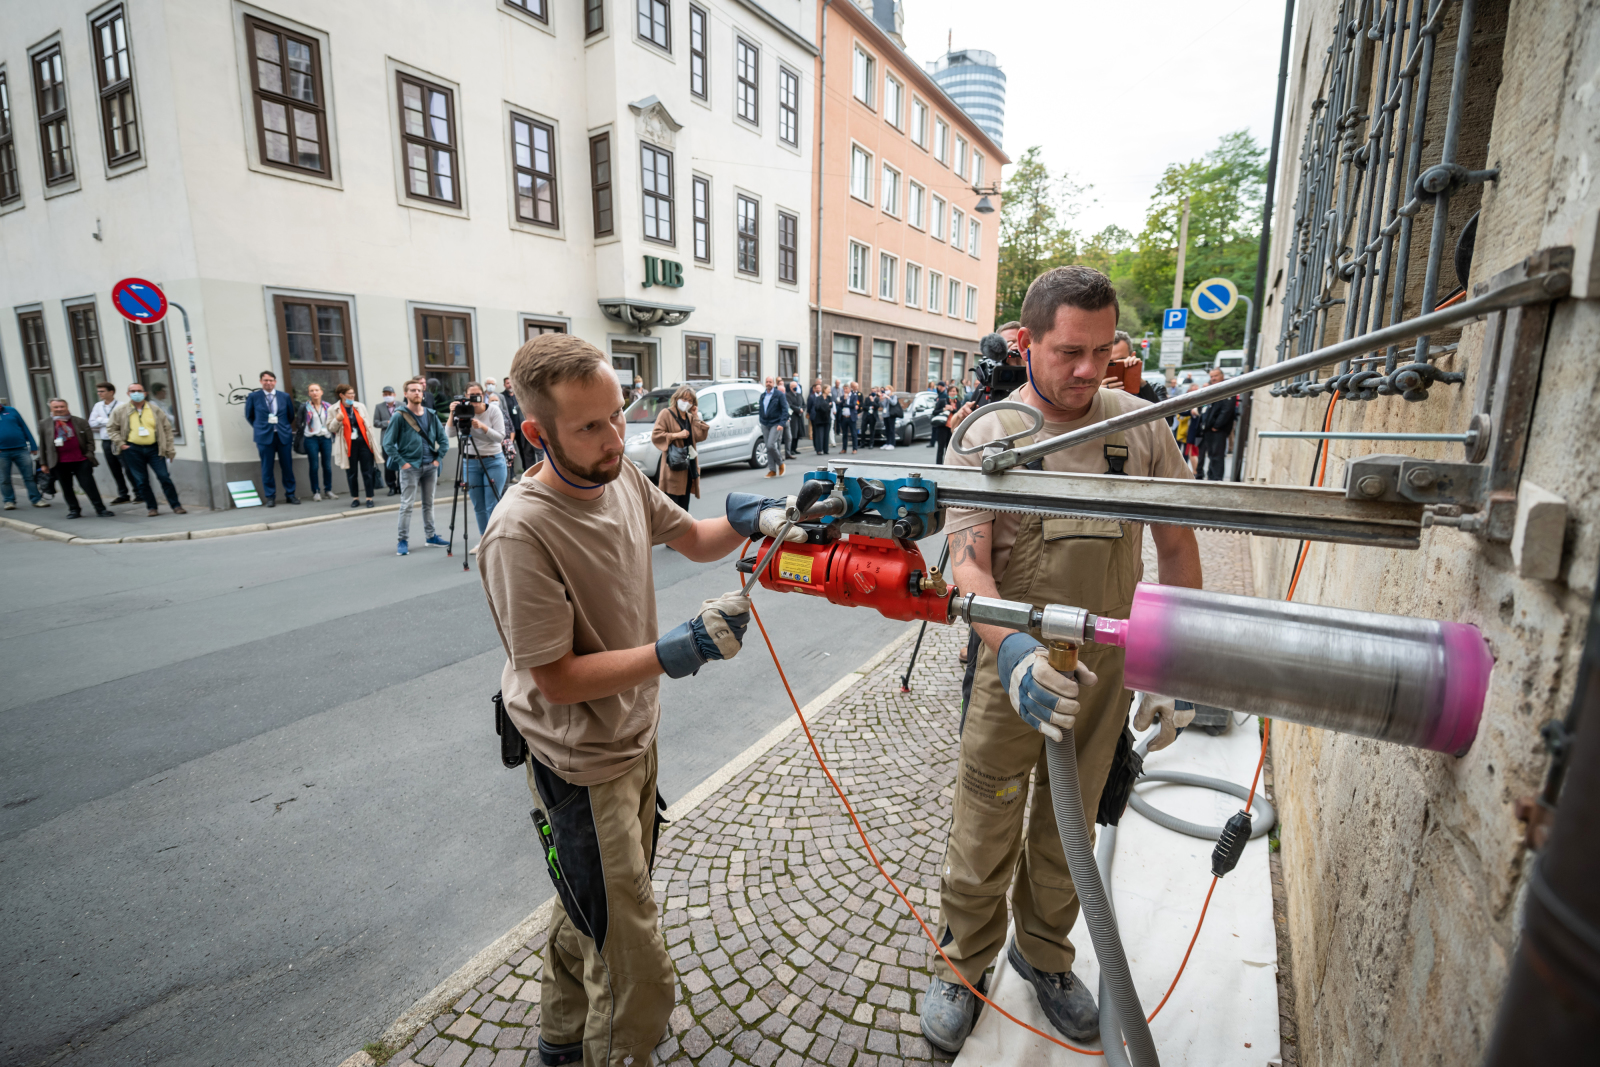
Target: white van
column 1230, row 362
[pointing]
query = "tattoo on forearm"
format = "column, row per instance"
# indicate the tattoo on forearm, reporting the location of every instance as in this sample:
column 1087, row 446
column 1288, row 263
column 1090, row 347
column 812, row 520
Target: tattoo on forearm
column 964, row 545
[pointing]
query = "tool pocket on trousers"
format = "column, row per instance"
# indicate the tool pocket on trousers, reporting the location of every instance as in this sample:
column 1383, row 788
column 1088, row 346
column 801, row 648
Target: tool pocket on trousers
column 582, row 887
column 655, row 830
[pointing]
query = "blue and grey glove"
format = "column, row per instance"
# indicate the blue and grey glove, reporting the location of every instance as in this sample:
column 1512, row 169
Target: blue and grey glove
column 715, row 633
column 755, row 516
column 1046, row 699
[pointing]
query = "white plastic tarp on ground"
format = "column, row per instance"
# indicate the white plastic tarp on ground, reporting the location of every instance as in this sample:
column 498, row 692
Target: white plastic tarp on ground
column 1225, row 1009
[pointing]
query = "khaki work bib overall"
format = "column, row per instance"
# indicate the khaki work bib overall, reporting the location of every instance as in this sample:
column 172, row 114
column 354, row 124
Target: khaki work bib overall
column 1089, row 563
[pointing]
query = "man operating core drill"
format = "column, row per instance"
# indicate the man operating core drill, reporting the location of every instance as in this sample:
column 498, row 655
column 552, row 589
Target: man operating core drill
column 565, row 563
column 1069, row 321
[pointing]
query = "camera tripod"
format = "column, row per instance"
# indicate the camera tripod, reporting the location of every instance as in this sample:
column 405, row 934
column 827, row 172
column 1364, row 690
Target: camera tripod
column 466, row 443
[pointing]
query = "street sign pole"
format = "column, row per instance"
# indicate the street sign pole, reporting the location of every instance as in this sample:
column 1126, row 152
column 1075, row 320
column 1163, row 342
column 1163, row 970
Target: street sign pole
column 199, row 417
column 1183, row 249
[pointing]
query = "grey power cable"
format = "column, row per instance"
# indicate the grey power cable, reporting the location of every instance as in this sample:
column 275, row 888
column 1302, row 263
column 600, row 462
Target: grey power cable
column 1261, row 825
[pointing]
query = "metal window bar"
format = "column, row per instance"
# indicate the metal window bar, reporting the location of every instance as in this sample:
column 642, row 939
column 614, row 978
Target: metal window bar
column 1361, row 190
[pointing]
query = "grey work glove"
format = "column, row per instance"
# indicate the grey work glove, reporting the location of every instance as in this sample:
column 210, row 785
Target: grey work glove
column 1153, row 708
column 751, row 515
column 715, row 633
column 1046, row 699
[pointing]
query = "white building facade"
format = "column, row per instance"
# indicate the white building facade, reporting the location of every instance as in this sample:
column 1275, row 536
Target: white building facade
column 344, row 193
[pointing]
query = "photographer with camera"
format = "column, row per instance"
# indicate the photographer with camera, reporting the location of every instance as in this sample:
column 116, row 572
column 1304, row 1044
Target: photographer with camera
column 1000, row 369
column 566, row 566
column 480, row 427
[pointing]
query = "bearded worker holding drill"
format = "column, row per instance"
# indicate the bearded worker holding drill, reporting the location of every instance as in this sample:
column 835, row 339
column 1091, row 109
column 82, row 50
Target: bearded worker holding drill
column 565, row 563
column 1015, row 698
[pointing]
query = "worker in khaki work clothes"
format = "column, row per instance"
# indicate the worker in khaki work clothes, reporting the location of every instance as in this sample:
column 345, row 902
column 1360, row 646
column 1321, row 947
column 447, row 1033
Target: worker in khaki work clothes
column 566, row 566
column 1069, row 319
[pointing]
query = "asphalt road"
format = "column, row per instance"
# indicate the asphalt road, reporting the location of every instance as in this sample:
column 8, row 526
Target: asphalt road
column 251, row 801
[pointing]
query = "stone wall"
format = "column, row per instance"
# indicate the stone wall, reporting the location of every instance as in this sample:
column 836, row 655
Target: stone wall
column 1405, row 869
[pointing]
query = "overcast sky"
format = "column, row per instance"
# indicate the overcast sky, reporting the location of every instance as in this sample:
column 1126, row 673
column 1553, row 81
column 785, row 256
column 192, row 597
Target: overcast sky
column 1114, row 90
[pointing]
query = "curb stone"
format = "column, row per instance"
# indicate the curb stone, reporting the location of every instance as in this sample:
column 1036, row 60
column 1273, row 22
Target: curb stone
column 188, row 535
column 493, row 959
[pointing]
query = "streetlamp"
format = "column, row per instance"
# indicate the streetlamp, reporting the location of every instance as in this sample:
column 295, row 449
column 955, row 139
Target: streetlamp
column 984, row 192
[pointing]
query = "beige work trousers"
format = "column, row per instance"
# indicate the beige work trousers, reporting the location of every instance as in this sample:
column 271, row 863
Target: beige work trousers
column 613, row 990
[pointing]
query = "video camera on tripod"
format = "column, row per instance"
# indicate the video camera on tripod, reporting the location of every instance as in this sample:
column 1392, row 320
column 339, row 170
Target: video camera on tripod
column 997, row 377
column 463, row 409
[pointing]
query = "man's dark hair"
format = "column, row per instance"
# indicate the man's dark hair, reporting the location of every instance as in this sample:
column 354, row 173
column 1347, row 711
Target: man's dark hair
column 1004, row 326
column 1075, row 286
column 266, row 374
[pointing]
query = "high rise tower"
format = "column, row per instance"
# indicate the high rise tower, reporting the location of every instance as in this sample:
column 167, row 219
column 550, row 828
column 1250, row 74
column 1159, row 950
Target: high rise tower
column 974, row 80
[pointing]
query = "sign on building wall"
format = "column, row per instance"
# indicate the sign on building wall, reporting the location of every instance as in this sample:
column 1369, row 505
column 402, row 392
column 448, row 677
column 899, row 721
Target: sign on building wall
column 658, row 271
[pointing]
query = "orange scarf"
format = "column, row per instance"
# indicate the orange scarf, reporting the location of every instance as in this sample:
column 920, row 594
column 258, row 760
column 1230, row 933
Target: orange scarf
column 361, row 425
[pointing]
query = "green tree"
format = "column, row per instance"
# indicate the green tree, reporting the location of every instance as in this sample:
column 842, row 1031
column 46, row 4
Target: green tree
column 1034, row 234
column 1224, row 188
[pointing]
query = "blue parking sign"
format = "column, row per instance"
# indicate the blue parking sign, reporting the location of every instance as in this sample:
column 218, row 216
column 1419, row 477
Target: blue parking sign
column 1175, row 319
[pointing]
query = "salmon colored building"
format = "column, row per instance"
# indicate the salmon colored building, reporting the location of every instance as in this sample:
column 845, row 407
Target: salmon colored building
column 907, row 248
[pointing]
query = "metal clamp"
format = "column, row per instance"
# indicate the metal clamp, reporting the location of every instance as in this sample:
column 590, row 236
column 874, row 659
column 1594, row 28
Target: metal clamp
column 1008, row 441
column 1420, row 481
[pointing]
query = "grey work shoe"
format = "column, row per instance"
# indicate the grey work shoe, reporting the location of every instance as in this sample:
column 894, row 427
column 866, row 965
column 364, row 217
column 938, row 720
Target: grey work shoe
column 1066, row 1001
column 948, row 1011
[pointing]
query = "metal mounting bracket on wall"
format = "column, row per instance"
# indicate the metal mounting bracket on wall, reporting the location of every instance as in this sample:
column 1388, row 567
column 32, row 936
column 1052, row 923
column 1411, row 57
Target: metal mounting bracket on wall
column 1420, row 481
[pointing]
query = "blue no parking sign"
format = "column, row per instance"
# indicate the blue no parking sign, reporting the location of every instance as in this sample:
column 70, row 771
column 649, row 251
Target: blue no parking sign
column 139, row 301
column 1214, row 298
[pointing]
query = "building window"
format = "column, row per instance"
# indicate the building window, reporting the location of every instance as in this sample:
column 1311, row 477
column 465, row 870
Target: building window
column 961, row 156
column 935, row 290
column 702, row 218
column 894, row 102
column 656, row 172
column 536, row 8
column 788, row 107
column 891, row 190
column 114, row 73
column 935, row 366
column 952, row 306
column 532, row 328
column 444, row 341
column 941, row 141
column 152, row 366
column 750, row 359
column 862, row 76
column 788, row 361
column 860, row 173
column 974, row 237
column 749, row 258
column 886, row 276
column 936, row 223
column 314, row 337
column 697, row 52
column 913, row 285
column 956, row 220
column 428, row 140
column 788, row 248
column 655, row 23
column 36, row 353
column 600, row 178
column 882, row 363
column 977, row 169
column 916, row 204
column 594, row 17
column 286, row 81
column 958, row 365
column 846, row 357
column 10, row 187
column 87, row 354
column 748, row 70
column 858, row 267
column 55, row 140
column 919, row 123
column 534, row 162
column 697, row 359
column 972, row 303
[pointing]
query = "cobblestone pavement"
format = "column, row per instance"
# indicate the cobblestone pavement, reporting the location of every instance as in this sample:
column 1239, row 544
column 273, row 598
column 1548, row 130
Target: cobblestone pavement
column 789, row 947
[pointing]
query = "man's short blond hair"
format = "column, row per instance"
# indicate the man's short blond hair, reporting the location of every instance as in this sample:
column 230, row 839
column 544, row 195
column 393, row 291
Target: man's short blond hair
column 549, row 360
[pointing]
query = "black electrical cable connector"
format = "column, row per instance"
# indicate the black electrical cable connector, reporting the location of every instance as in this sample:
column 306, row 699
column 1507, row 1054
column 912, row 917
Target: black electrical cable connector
column 1230, row 846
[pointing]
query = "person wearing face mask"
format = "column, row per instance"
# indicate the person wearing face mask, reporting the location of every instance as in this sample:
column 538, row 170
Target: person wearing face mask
column 141, row 433
column 316, row 441
column 354, row 446
column 382, row 414
column 67, row 446
column 680, row 424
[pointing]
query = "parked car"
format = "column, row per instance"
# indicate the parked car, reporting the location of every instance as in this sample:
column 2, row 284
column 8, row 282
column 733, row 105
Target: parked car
column 918, row 418
column 728, row 408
